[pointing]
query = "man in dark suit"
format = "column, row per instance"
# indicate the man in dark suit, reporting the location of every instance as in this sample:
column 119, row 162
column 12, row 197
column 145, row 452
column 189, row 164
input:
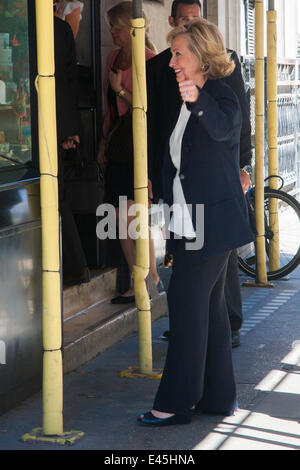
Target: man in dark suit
column 75, row 268
column 164, row 103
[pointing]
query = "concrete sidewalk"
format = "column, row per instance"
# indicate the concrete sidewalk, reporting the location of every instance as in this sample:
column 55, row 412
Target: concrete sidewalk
column 105, row 406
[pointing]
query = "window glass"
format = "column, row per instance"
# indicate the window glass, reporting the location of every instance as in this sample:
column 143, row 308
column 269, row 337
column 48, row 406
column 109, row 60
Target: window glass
column 15, row 119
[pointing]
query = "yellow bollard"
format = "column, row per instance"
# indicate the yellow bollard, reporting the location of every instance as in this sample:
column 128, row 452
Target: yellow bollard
column 141, row 269
column 52, row 430
column 274, row 254
column 259, row 143
column 52, row 389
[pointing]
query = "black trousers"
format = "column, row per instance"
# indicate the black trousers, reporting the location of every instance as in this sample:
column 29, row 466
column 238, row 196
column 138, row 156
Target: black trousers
column 73, row 256
column 198, row 365
column 233, row 292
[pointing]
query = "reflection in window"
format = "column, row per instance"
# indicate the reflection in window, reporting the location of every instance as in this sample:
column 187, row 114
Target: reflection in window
column 15, row 127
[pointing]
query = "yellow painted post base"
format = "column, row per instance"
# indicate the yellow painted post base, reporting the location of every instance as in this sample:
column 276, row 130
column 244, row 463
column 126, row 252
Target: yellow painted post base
column 133, row 371
column 36, row 436
column 248, row 283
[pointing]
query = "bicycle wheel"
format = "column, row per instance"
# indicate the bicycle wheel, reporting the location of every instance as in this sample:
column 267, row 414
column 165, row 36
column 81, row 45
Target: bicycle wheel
column 289, row 235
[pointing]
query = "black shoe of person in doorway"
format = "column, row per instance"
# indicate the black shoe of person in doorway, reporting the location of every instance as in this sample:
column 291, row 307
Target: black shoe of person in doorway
column 123, row 299
column 236, row 338
column 165, row 336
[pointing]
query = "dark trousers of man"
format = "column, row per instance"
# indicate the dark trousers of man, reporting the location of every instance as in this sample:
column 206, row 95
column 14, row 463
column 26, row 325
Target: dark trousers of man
column 73, row 256
column 233, row 293
column 198, row 366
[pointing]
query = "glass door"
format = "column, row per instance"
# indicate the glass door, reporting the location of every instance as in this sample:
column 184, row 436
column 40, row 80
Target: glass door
column 89, row 70
column 90, row 104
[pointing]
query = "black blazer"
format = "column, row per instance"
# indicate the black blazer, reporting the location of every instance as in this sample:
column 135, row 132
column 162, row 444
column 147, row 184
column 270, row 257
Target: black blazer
column 66, row 84
column 164, row 103
column 209, row 171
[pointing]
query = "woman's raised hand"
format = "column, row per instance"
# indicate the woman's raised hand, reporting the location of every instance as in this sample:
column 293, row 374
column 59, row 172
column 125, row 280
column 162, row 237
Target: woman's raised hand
column 188, row 90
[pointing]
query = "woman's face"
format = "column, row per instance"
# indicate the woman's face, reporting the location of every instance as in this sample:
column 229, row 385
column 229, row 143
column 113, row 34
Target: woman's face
column 184, row 63
column 120, row 35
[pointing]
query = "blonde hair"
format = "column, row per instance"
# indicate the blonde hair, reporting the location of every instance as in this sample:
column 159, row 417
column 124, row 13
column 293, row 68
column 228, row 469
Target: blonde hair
column 206, row 42
column 120, row 16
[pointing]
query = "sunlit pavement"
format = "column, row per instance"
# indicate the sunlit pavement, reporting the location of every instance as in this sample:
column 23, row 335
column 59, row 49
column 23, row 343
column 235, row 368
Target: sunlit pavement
column 105, row 406
column 274, row 423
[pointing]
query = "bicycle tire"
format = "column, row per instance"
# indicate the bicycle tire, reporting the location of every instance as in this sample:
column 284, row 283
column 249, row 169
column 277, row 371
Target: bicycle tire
column 287, row 268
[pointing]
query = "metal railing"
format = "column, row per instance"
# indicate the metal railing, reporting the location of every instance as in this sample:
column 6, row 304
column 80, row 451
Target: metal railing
column 288, row 108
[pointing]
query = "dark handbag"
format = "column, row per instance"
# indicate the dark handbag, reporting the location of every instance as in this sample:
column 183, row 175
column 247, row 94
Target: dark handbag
column 83, row 183
column 119, row 141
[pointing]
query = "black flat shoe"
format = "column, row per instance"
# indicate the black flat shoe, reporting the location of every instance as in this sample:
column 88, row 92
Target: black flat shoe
column 149, row 419
column 123, row 299
column 165, row 336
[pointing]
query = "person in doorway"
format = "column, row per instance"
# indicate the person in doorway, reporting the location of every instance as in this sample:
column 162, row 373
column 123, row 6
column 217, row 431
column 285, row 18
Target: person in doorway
column 75, row 269
column 116, row 148
column 164, row 103
column 201, row 167
column 70, row 11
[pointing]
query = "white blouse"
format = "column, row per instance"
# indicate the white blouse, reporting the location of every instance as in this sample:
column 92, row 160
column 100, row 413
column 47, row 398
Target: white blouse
column 64, row 8
column 181, row 222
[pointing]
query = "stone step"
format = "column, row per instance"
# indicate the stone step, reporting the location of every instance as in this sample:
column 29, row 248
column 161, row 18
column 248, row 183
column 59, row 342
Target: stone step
column 95, row 329
column 102, row 286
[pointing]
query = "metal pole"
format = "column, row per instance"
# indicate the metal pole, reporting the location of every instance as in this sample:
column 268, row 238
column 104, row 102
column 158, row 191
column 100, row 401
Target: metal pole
column 137, row 9
column 271, row 5
column 274, row 254
column 141, row 268
column 259, row 142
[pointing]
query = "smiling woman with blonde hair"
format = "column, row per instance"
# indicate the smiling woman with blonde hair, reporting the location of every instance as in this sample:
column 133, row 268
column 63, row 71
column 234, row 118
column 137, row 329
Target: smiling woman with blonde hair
column 206, row 43
column 200, row 176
